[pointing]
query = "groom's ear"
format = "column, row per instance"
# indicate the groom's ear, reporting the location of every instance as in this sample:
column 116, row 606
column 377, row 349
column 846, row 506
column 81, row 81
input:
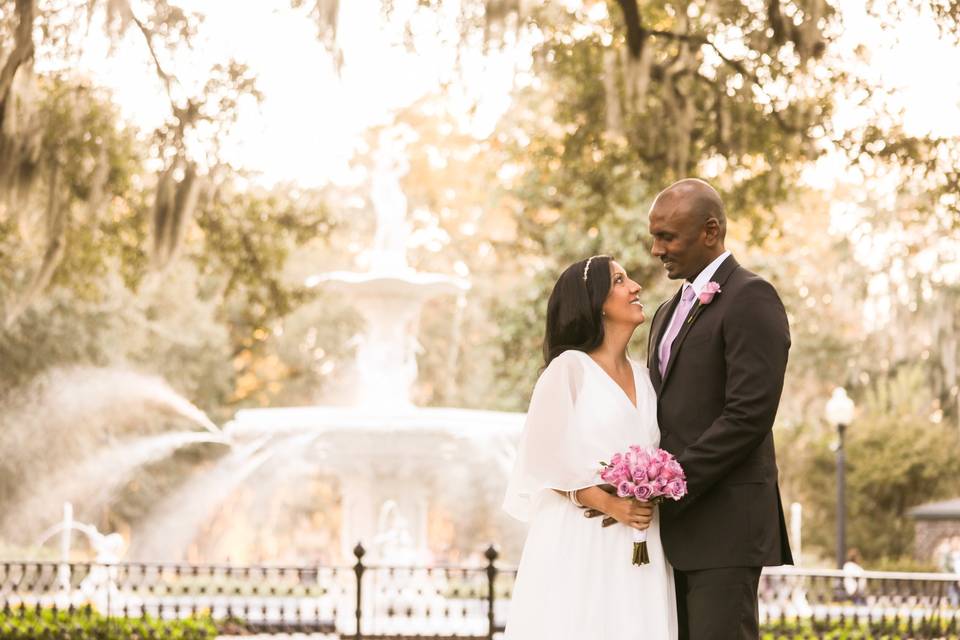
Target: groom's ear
column 711, row 232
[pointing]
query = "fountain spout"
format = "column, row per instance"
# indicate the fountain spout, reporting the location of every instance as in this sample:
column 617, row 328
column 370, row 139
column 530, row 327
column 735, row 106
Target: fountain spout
column 390, row 295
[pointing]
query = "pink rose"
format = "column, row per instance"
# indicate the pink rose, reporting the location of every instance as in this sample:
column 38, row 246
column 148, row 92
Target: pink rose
column 643, row 492
column 710, row 290
column 672, row 470
column 625, row 489
column 676, row 489
column 654, row 469
column 619, row 476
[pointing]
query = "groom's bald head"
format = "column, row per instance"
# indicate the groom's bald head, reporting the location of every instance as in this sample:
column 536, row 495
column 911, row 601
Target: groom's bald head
column 693, row 199
column 688, row 226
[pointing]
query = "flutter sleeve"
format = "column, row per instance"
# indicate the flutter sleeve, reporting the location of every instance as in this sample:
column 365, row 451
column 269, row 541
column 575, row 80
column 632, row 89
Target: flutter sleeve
column 550, row 455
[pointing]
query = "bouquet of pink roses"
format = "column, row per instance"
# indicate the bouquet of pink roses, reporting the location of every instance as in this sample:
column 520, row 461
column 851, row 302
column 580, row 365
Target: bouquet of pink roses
column 650, row 475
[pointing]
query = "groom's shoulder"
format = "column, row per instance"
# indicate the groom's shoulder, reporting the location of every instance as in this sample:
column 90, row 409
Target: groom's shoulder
column 744, row 278
column 750, row 289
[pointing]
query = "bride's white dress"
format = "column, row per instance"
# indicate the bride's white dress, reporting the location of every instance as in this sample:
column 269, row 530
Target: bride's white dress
column 576, row 580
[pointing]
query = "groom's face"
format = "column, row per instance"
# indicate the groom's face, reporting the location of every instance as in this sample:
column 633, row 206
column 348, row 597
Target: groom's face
column 678, row 239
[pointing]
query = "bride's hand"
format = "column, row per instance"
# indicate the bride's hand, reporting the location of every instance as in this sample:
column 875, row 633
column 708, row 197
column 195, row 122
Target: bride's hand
column 601, row 500
column 630, row 512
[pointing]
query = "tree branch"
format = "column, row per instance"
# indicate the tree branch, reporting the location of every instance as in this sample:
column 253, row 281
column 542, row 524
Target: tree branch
column 148, row 38
column 734, row 64
column 775, row 18
column 636, row 34
column 23, row 49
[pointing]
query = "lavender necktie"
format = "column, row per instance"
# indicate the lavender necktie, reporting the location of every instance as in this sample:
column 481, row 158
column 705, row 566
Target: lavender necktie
column 686, row 301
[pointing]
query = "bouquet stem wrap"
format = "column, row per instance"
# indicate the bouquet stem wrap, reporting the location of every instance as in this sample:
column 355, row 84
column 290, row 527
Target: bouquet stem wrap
column 647, row 476
column 640, row 554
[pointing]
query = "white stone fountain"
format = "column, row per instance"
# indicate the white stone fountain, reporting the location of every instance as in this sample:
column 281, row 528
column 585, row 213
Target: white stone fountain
column 391, row 459
column 388, row 454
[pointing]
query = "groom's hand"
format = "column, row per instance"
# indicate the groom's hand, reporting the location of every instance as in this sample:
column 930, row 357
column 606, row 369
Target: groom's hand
column 593, row 513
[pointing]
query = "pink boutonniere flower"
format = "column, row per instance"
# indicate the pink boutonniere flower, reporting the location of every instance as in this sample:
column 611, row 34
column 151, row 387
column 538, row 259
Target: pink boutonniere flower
column 712, row 289
column 706, row 297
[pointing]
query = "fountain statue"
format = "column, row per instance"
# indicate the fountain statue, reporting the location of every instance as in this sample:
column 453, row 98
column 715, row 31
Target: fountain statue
column 390, row 205
column 393, row 542
column 389, row 295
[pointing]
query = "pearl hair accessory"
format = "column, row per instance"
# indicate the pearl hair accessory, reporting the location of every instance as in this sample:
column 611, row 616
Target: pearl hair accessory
column 586, row 269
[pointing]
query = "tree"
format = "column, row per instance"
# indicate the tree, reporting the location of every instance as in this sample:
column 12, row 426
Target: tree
column 897, row 458
column 64, row 161
column 673, row 87
column 88, row 203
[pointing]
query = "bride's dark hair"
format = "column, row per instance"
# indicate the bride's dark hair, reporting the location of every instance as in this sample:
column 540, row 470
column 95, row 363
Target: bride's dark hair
column 575, row 308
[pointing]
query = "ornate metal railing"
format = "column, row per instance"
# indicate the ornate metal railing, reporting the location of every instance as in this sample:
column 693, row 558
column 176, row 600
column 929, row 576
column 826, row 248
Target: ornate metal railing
column 391, row 601
column 797, row 602
column 373, row 601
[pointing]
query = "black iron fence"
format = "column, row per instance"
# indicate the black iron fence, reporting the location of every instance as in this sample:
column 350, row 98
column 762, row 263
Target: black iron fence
column 376, row 601
column 361, row 601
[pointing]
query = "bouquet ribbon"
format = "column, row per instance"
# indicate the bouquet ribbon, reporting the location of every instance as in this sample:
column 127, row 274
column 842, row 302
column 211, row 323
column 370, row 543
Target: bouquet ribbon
column 640, row 554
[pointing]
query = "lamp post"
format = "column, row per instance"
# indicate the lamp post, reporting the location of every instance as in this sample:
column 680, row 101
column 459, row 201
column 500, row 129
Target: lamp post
column 839, row 413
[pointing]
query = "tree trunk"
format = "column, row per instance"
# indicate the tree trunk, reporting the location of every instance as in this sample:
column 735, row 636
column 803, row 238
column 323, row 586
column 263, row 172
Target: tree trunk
column 22, row 51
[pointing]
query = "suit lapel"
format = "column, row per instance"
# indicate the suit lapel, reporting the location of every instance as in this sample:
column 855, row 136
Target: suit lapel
column 720, row 277
column 657, row 329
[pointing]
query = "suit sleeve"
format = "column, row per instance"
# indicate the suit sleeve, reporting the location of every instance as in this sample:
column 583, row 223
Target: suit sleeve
column 756, row 342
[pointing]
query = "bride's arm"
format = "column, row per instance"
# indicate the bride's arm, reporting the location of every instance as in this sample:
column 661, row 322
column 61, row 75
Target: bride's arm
column 628, row 511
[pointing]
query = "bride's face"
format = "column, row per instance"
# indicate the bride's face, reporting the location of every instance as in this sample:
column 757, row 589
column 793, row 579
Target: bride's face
column 623, row 301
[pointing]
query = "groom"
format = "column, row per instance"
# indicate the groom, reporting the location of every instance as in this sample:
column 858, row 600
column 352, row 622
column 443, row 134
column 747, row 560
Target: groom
column 717, row 355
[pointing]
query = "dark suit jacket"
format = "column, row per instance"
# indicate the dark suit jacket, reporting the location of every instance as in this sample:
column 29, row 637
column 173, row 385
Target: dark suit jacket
column 717, row 402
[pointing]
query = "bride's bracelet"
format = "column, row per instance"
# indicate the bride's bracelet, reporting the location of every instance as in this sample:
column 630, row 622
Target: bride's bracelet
column 573, row 498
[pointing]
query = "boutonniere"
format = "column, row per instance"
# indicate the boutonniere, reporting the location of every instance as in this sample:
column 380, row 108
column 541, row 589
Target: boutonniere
column 705, row 298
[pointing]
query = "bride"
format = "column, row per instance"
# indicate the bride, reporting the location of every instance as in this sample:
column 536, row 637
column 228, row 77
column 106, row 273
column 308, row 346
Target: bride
column 576, row 580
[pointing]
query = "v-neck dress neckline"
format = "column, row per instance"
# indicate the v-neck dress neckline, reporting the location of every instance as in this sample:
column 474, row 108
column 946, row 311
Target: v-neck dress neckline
column 633, row 370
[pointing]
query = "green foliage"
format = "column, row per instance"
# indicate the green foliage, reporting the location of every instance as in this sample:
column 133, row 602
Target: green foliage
column 86, row 624
column 61, row 232
column 859, row 633
column 85, row 290
column 896, row 459
column 880, row 628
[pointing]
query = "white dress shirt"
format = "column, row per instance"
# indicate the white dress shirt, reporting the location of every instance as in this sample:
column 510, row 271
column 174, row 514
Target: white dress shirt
column 698, row 284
